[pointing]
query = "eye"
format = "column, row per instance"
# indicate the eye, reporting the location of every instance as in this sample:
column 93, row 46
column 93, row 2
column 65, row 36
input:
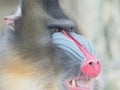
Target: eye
column 70, row 30
column 57, row 30
column 58, row 25
column 60, row 29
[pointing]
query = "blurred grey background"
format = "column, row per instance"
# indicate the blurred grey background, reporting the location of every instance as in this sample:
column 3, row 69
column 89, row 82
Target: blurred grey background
column 99, row 22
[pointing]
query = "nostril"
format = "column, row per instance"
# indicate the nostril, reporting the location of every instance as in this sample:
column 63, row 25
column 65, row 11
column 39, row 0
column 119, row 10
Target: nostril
column 98, row 62
column 91, row 68
column 91, row 63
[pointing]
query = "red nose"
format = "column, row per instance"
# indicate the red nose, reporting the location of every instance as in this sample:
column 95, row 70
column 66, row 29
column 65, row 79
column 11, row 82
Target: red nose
column 91, row 68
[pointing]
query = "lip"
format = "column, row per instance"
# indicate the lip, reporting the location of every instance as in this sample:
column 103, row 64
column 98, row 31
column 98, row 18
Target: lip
column 79, row 83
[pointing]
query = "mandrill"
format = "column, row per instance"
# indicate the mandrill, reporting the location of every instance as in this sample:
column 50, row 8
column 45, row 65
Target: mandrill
column 41, row 50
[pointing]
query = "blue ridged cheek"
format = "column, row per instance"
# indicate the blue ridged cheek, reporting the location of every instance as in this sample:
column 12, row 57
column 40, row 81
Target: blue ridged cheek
column 63, row 42
column 84, row 42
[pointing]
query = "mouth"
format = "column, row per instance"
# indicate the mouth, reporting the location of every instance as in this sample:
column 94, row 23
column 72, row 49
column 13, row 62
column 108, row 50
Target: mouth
column 79, row 83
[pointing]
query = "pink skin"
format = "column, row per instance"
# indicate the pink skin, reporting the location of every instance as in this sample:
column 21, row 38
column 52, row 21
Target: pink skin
column 70, row 87
column 10, row 22
column 75, row 88
column 91, row 67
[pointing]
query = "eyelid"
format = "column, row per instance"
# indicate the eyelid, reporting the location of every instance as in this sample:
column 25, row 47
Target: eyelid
column 60, row 29
column 57, row 30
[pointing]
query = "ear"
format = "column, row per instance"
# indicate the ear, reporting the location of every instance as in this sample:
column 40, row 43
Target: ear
column 10, row 20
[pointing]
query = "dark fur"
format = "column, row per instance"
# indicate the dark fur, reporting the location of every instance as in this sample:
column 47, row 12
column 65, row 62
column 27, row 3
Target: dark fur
column 53, row 9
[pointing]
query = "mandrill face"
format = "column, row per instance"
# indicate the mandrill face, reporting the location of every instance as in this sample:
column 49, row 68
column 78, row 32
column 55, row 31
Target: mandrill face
column 77, row 60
